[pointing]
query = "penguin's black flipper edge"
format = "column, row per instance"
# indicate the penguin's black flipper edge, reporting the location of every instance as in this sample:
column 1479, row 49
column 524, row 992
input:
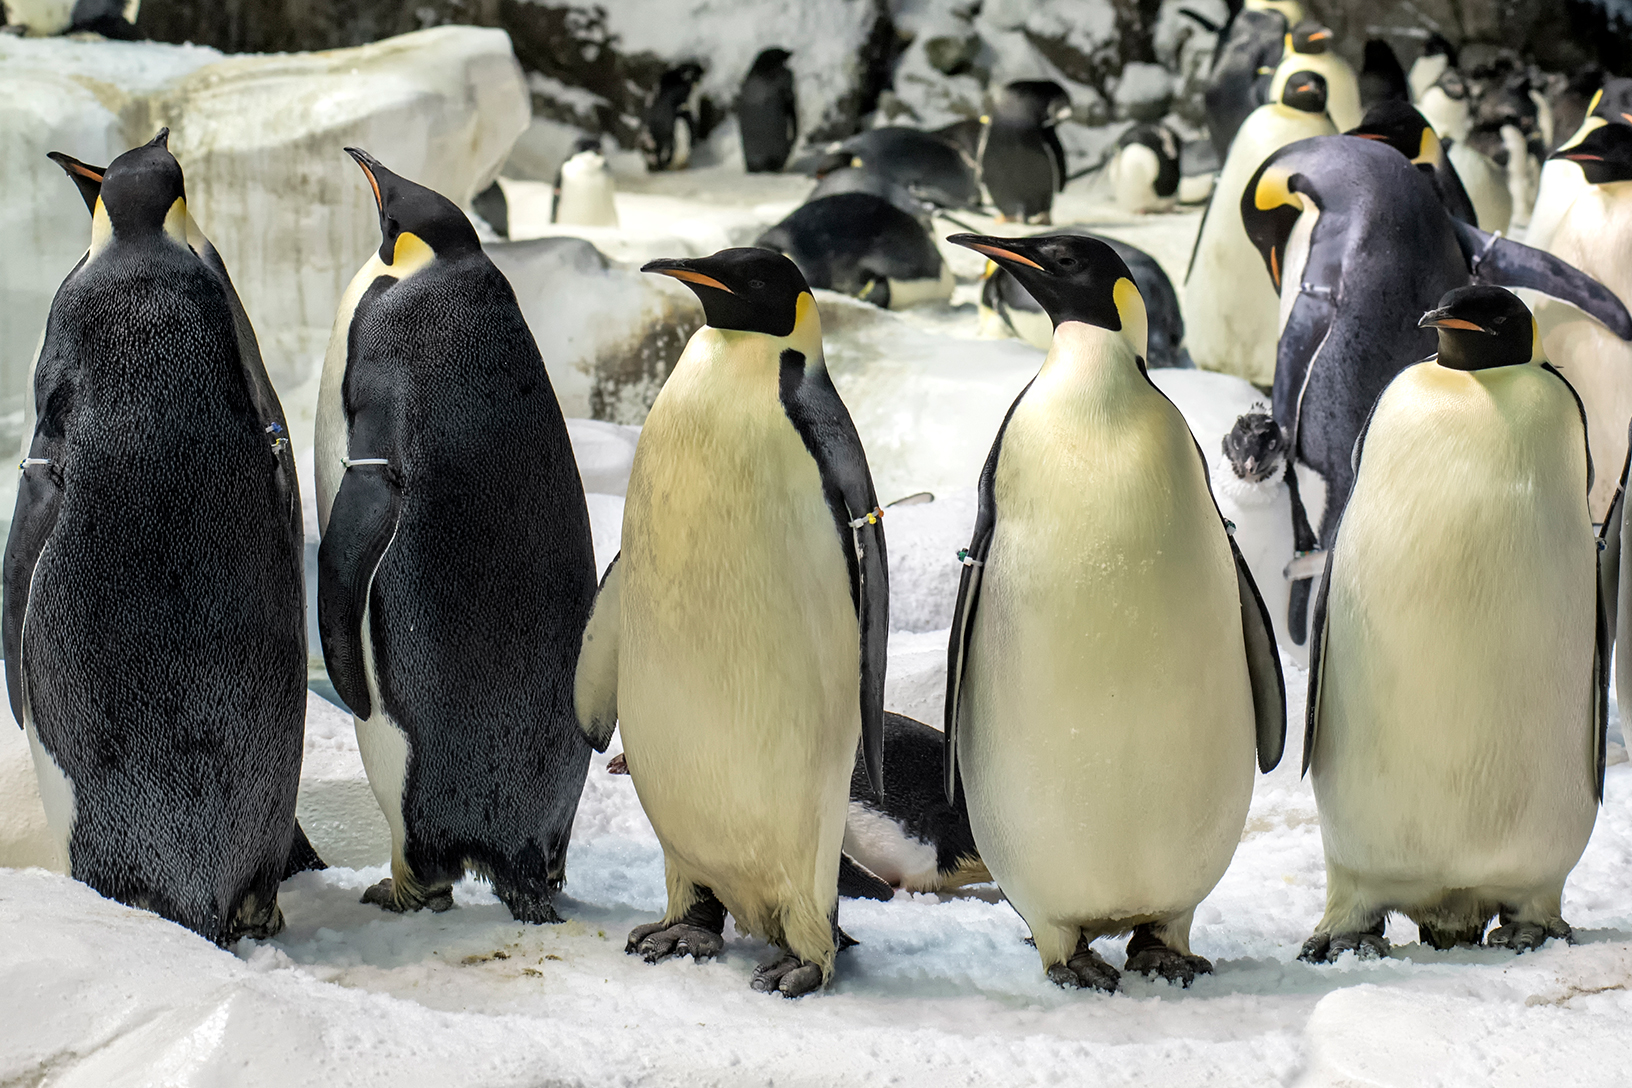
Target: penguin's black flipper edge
column 595, row 685
column 361, row 524
column 856, row 881
column 1263, row 667
column 1500, row 262
column 1317, row 652
column 303, row 858
column 1614, row 581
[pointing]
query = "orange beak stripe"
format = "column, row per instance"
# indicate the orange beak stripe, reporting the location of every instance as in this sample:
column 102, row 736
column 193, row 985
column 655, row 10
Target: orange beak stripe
column 695, row 277
column 1585, row 158
column 1456, row 323
column 1275, row 267
column 85, row 171
column 1628, row 117
column 1368, row 135
column 372, row 184
column 1007, row 254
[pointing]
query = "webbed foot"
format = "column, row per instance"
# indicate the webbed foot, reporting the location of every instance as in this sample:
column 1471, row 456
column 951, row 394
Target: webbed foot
column 383, row 895
column 1369, row 944
column 658, row 942
column 1149, row 956
column 787, row 975
column 1085, row 970
column 1523, row 937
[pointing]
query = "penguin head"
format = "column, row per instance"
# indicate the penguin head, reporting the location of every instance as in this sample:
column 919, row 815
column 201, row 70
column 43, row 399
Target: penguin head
column 1305, row 91
column 1074, row 278
column 1438, row 45
column 1310, row 37
column 1396, row 123
column 1613, row 101
column 1482, row 327
column 86, row 178
column 143, row 193
column 1270, row 207
column 769, row 61
column 1256, row 446
column 412, row 217
column 743, row 290
column 1604, row 155
column 1031, row 103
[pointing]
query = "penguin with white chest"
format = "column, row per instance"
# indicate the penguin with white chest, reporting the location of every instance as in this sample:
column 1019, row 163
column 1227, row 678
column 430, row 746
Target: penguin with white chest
column 155, row 644
column 739, row 640
column 1457, row 682
column 584, row 194
column 456, row 569
column 1111, row 668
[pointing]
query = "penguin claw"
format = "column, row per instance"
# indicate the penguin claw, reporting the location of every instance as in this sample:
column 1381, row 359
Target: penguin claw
column 1086, row 970
column 384, row 896
column 1523, row 937
column 1326, row 947
column 788, row 975
column 658, row 941
column 1169, row 964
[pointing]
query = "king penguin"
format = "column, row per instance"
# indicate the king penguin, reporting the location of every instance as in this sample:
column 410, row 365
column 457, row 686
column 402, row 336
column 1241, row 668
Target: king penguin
column 1457, row 684
column 456, row 569
column 1111, row 668
column 154, row 637
column 739, row 639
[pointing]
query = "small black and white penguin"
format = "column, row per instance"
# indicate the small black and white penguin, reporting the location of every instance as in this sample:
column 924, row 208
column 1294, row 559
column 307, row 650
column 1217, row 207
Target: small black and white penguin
column 767, row 113
column 1145, row 172
column 1397, row 124
column 1381, row 75
column 1013, row 310
column 670, row 127
column 930, row 167
column 1022, row 164
column 1249, row 482
column 1108, row 767
column 739, row 641
column 154, row 637
column 1249, row 49
column 1457, row 684
column 456, row 569
column 1309, row 50
column 863, row 245
column 584, row 189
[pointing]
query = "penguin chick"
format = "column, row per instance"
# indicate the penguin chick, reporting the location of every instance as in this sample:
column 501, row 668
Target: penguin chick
column 583, row 195
column 1145, row 172
column 1457, row 681
column 1256, row 448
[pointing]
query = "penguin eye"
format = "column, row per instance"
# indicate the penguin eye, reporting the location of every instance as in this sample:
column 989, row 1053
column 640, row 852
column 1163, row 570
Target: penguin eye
column 1068, row 262
column 756, row 284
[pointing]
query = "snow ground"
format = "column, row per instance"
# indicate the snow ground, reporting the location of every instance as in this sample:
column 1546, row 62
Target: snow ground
column 942, row 990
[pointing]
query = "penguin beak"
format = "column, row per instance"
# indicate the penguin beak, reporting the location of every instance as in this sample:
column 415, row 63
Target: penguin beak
column 1001, row 250
column 1369, row 135
column 1443, row 319
column 1320, row 35
column 682, row 270
column 369, row 163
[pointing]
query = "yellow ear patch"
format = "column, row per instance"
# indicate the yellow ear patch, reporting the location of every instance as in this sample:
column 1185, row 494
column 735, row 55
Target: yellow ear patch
column 1130, row 308
column 1537, row 355
column 410, row 255
column 1429, row 152
column 1273, row 190
column 101, row 229
column 175, row 222
column 807, row 327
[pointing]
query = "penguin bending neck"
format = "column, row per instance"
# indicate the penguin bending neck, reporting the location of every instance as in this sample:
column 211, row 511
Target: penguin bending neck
column 410, row 213
column 746, row 290
column 143, row 193
column 1483, row 327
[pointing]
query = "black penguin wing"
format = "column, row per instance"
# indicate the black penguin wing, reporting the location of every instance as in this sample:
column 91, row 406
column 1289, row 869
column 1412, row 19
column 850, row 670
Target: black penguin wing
column 1501, row 262
column 1056, row 156
column 1610, row 574
column 1263, row 666
column 595, row 684
column 963, row 614
column 1452, row 193
column 816, row 411
column 856, row 881
column 1195, row 247
column 1317, row 651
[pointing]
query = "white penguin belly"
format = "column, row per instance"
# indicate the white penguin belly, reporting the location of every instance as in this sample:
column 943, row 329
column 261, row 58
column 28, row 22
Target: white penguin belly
column 738, row 689
column 383, row 747
column 1454, row 747
column 1107, row 733
column 889, row 851
column 587, row 193
column 1133, row 179
column 1486, row 185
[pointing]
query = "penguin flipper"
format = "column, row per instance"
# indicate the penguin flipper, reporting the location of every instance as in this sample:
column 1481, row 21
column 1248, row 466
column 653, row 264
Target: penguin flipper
column 302, row 857
column 1263, row 667
column 361, row 524
column 595, row 686
column 856, row 881
column 1317, row 651
column 1501, row 262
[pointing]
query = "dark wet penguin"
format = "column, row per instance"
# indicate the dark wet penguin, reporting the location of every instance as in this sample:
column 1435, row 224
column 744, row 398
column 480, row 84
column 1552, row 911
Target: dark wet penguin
column 161, row 673
column 931, row 167
column 670, row 127
column 1022, row 164
column 456, row 570
column 862, row 245
column 857, row 179
column 767, row 113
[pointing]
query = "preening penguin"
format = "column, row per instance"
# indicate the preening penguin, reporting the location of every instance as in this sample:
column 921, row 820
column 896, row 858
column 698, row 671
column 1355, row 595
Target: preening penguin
column 154, row 640
column 739, row 640
column 456, row 570
column 584, row 189
column 1108, row 767
column 1457, row 683
column 863, row 245
column 767, row 113
column 1022, row 164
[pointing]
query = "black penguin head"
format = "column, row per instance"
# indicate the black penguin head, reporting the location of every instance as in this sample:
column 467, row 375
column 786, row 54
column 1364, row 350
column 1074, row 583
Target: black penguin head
column 411, row 213
column 86, row 178
column 1031, row 103
column 1256, row 446
column 1073, row 278
column 743, row 290
column 768, row 61
column 1271, row 205
column 1310, row 37
column 143, row 191
column 1397, row 124
column 1438, row 45
column 1305, row 91
column 1613, row 101
column 1604, row 155
column 1382, row 60
column 586, row 143
column 1482, row 327
column 684, row 75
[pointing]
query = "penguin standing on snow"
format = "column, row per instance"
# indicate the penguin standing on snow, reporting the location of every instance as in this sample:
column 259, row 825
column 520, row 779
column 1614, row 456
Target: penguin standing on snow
column 583, row 195
column 1108, row 767
column 670, row 126
column 1145, row 172
column 1022, row 164
column 154, row 640
column 767, row 113
column 738, row 642
column 1457, row 683
column 456, row 570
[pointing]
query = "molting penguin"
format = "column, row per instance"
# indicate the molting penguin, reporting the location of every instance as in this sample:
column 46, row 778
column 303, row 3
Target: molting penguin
column 670, row 126
column 456, row 570
column 154, row 640
column 1561, row 179
column 1309, row 50
column 1022, row 164
column 1381, row 77
column 1249, row 49
column 1011, row 308
column 727, row 636
column 767, row 113
column 928, row 166
column 1396, row 124
column 1108, row 768
column 1231, row 311
column 1145, row 172
column 583, row 188
column 1249, row 482
column 1457, row 685
column 863, row 245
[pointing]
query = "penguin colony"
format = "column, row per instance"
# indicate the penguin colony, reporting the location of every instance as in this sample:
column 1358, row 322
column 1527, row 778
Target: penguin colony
column 1103, row 718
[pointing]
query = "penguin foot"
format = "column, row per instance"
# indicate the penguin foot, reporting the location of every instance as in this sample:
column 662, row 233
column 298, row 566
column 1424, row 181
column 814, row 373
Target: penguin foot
column 1169, row 964
column 383, row 895
column 534, row 908
column 1367, row 944
column 1085, row 970
column 787, row 975
column 1445, row 939
column 658, row 942
column 1523, row 937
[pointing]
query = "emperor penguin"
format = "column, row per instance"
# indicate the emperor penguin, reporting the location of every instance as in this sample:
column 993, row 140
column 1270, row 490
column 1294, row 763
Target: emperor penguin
column 456, row 569
column 1111, row 668
column 1144, row 174
column 1308, row 49
column 1457, row 685
column 1381, row 77
column 1249, row 49
column 1022, row 164
column 768, row 113
column 1594, row 234
column 584, row 194
column 1230, row 312
column 863, row 245
column 670, row 127
column 1397, row 124
column 1562, row 179
column 932, row 168
column 154, row 636
column 738, row 642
